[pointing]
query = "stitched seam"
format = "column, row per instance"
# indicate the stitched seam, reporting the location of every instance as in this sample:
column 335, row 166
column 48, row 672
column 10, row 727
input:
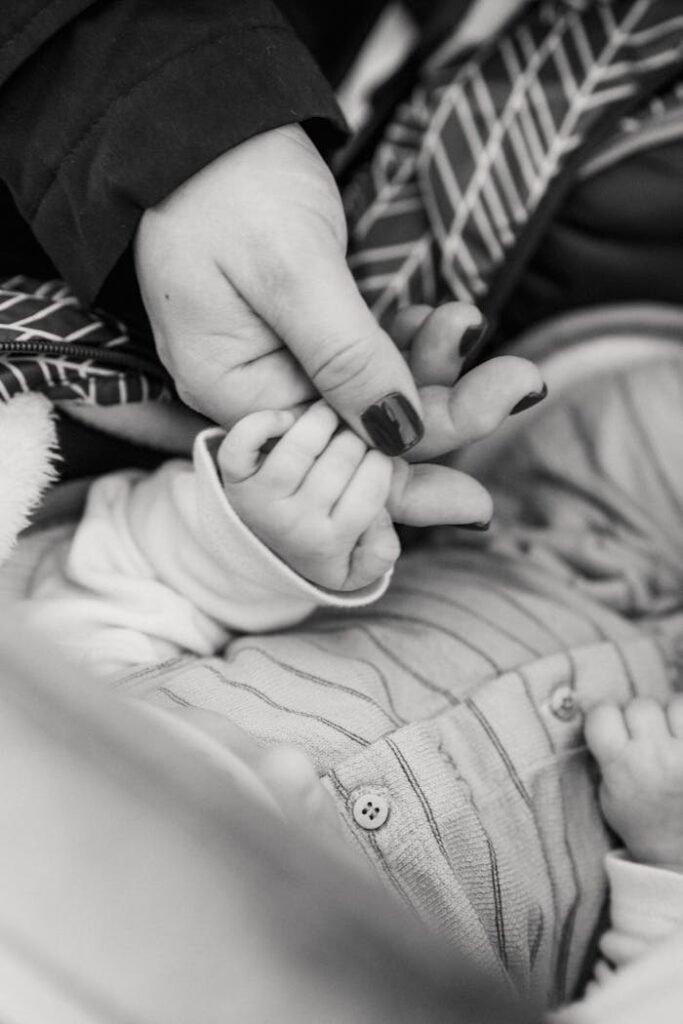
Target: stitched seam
column 159, row 70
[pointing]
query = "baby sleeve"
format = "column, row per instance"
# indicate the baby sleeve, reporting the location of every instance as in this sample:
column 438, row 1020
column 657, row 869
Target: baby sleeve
column 161, row 564
column 646, row 906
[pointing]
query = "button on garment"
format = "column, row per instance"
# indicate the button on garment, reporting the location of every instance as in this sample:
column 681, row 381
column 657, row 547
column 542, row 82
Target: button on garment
column 563, row 703
column 371, row 810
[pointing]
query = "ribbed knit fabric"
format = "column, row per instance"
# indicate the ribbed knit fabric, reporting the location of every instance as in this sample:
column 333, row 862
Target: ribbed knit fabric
column 459, row 696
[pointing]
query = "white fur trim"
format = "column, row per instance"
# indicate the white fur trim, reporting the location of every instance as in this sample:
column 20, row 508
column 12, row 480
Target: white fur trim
column 28, row 449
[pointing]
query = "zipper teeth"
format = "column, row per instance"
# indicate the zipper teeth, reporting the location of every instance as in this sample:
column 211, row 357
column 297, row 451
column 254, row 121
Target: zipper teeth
column 126, row 360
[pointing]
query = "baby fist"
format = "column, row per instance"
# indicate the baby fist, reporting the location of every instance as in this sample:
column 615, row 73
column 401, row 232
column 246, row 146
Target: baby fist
column 639, row 750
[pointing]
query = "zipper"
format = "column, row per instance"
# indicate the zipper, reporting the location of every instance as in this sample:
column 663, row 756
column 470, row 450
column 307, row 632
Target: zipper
column 106, row 356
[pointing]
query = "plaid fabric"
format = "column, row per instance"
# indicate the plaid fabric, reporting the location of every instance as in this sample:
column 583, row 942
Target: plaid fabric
column 469, row 159
column 52, row 344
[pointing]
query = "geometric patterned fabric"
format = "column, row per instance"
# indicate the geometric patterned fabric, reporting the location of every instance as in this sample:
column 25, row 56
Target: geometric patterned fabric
column 52, row 344
column 467, row 161
column 446, row 199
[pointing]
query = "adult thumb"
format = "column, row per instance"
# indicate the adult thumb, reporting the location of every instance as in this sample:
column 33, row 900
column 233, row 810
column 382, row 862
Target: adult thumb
column 321, row 317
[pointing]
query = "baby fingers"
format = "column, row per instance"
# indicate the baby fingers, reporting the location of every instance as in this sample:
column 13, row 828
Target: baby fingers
column 605, row 732
column 646, row 719
column 286, row 466
column 333, row 471
column 365, row 496
column 240, row 455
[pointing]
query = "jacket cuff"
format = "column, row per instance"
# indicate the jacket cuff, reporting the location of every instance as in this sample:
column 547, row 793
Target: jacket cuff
column 83, row 168
column 224, row 530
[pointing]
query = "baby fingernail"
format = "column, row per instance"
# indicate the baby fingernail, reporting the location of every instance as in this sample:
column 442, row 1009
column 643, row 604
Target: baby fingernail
column 533, row 398
column 474, row 526
column 393, row 424
column 472, row 338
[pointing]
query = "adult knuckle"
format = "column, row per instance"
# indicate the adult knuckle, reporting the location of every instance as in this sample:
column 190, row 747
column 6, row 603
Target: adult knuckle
column 280, row 264
column 342, row 364
column 486, row 419
column 188, row 393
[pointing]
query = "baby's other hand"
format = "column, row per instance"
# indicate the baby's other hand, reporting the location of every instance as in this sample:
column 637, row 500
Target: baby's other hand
column 317, row 498
column 639, row 750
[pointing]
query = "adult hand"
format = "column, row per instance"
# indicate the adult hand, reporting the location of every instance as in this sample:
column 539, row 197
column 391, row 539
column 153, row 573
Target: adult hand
column 245, row 281
column 243, row 273
column 437, row 343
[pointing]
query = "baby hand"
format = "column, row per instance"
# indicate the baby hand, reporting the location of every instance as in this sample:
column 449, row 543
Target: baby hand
column 317, row 498
column 639, row 750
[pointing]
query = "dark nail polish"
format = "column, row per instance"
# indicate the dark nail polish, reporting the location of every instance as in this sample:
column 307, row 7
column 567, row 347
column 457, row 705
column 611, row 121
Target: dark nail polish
column 393, row 425
column 474, row 526
column 472, row 338
column 530, row 400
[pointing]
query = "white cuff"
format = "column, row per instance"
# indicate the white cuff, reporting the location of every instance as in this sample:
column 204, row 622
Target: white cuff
column 646, row 901
column 224, row 529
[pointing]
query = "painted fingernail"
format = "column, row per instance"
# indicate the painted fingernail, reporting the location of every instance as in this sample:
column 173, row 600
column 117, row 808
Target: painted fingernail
column 533, row 398
column 474, row 526
column 393, row 425
column 473, row 337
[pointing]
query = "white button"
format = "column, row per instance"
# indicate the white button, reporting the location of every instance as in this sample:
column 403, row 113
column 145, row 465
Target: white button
column 563, row 703
column 370, row 810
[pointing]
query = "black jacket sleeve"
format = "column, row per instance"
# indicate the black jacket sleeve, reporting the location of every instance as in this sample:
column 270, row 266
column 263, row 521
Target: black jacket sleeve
column 106, row 107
